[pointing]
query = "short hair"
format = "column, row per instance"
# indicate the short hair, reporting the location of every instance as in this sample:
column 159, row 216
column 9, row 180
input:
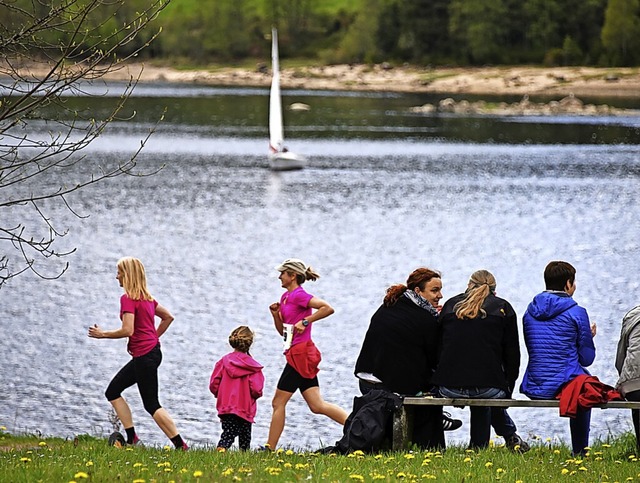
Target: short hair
column 241, row 339
column 557, row 274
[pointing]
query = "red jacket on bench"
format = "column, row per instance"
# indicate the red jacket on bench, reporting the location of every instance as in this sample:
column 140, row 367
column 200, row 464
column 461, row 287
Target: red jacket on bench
column 584, row 392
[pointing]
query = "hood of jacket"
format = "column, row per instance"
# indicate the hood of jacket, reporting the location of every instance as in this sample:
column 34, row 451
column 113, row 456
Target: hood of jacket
column 548, row 305
column 239, row 364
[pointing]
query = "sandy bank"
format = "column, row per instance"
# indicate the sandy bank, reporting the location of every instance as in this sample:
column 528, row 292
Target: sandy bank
column 532, row 81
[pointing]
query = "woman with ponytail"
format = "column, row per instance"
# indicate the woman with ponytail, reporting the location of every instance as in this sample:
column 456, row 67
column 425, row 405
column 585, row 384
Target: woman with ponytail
column 399, row 351
column 480, row 357
column 296, row 313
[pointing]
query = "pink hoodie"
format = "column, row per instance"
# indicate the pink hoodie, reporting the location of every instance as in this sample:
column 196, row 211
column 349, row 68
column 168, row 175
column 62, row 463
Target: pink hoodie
column 237, row 382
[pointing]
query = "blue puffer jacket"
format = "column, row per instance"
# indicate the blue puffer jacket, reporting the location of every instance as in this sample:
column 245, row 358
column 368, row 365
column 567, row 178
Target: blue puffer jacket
column 558, row 336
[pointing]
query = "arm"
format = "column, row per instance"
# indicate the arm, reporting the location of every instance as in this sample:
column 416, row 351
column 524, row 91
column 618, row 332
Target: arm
column 511, row 349
column 256, row 384
column 216, row 377
column 274, row 308
column 126, row 330
column 165, row 319
column 586, row 348
column 323, row 309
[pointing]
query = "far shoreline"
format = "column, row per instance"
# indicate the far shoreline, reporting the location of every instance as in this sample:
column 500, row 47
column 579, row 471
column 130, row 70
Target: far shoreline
column 476, row 81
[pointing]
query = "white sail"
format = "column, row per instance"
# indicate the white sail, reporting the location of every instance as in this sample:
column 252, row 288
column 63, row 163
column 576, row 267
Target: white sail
column 276, row 131
column 279, row 157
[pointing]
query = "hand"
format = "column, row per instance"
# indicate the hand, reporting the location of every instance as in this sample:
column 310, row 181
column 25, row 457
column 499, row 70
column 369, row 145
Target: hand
column 274, row 307
column 299, row 327
column 96, row 332
column 594, row 329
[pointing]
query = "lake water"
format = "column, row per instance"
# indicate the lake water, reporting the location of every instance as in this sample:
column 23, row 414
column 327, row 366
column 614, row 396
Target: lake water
column 385, row 191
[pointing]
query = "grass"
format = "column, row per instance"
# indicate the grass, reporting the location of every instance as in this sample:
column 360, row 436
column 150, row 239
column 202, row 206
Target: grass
column 33, row 459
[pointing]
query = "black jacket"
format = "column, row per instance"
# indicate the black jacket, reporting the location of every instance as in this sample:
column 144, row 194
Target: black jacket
column 480, row 352
column 400, row 347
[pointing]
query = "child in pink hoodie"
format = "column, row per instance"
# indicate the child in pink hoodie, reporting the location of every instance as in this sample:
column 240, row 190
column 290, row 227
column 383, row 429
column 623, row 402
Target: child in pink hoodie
column 237, row 382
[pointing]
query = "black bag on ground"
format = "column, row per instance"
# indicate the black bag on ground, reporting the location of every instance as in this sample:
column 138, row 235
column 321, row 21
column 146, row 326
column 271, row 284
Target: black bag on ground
column 370, row 424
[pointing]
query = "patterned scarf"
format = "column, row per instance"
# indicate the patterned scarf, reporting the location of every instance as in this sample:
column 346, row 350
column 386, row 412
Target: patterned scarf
column 421, row 302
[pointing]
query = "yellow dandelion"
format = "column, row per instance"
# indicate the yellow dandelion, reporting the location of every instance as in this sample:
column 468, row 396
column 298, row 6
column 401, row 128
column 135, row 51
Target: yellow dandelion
column 556, row 451
column 197, row 474
column 428, row 477
column 499, row 470
column 168, row 470
column 409, row 456
column 378, row 476
column 467, row 460
column 548, row 440
column 3, row 428
column 279, row 451
column 25, row 459
column 426, row 461
column 89, row 464
column 401, row 475
column 128, row 448
column 438, row 455
column 138, row 481
column 629, row 478
column 166, row 448
column 632, row 456
column 358, row 452
column 137, row 465
column 606, row 445
column 301, row 466
column 227, row 472
column 582, row 468
column 378, row 456
column 564, row 471
column 519, row 481
column 288, row 465
column 488, row 464
column 42, row 443
column 357, row 477
column 81, row 474
column 289, row 452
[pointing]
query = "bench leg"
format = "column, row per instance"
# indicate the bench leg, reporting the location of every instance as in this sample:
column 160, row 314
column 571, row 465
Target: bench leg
column 402, row 428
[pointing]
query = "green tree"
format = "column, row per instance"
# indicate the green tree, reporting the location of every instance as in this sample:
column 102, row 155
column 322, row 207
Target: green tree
column 425, row 29
column 50, row 49
column 479, row 28
column 621, row 32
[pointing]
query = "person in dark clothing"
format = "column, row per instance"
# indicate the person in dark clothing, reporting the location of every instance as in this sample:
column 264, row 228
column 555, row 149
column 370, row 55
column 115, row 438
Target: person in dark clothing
column 399, row 351
column 480, row 357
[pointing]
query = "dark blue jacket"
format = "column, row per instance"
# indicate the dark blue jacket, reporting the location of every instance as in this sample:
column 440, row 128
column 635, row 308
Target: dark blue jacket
column 558, row 337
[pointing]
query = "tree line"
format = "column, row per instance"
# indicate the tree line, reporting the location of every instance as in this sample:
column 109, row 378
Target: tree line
column 437, row 32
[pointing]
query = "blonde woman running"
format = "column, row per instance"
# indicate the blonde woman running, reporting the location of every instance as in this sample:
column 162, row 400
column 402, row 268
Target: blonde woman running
column 138, row 310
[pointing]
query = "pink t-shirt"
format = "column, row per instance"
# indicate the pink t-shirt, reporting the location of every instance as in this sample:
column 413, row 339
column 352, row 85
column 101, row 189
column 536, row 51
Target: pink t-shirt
column 293, row 308
column 145, row 336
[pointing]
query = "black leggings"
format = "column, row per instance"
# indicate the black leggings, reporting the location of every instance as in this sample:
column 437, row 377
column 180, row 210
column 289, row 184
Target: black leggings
column 142, row 371
column 233, row 426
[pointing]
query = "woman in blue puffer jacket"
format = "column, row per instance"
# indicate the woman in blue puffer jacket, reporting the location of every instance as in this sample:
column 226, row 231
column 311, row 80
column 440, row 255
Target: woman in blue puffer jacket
column 559, row 339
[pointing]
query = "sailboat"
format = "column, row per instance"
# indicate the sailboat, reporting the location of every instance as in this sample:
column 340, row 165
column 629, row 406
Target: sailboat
column 280, row 158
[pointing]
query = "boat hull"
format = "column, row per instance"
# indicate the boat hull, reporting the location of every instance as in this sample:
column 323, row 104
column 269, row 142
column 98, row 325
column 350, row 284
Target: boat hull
column 286, row 161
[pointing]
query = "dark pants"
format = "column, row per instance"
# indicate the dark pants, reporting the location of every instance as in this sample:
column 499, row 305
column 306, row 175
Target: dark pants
column 635, row 414
column 579, row 427
column 428, row 432
column 483, row 418
column 142, row 371
column 232, row 426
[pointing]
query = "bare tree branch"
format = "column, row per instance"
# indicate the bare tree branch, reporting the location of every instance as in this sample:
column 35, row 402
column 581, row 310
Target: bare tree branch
column 48, row 52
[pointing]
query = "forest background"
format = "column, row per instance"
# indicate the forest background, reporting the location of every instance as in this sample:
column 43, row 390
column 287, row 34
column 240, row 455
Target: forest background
column 429, row 32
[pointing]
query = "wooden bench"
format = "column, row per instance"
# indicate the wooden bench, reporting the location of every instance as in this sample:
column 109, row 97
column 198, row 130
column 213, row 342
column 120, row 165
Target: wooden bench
column 403, row 418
